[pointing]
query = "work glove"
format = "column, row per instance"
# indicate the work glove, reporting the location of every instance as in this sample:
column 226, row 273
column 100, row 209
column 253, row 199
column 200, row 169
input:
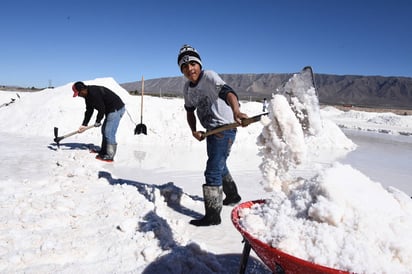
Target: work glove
column 97, row 124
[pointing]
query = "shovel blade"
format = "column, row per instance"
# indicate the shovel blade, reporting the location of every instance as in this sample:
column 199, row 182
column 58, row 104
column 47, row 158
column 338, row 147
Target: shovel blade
column 57, row 139
column 140, row 128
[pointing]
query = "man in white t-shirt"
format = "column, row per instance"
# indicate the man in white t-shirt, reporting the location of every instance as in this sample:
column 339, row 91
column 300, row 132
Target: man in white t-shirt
column 215, row 104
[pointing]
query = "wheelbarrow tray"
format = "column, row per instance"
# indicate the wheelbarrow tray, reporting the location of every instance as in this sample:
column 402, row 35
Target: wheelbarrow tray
column 274, row 258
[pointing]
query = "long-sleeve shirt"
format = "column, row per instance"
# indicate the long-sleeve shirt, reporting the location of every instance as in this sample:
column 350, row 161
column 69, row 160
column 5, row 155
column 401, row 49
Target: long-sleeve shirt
column 103, row 100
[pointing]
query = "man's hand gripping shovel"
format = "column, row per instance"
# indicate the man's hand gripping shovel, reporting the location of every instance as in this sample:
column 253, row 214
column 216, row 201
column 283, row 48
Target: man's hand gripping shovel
column 245, row 122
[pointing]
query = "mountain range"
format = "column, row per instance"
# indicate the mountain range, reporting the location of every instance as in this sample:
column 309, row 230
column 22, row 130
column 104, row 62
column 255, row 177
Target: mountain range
column 352, row 90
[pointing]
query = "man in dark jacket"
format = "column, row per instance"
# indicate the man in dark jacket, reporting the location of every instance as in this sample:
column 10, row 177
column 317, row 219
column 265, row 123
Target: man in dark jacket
column 109, row 105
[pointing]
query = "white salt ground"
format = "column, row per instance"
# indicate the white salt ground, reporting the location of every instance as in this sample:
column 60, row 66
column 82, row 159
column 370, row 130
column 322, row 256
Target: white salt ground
column 61, row 211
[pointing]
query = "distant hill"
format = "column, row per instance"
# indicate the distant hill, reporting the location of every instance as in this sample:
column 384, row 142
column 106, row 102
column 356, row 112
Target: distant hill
column 20, row 89
column 366, row 91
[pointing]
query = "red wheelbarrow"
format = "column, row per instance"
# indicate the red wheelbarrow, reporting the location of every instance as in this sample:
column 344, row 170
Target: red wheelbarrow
column 277, row 261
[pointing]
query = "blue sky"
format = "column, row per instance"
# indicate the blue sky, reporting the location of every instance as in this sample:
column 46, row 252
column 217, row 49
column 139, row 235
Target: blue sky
column 59, row 42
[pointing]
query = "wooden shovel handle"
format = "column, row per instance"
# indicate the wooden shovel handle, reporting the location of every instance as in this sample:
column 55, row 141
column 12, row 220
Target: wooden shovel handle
column 58, row 139
column 141, row 101
column 245, row 122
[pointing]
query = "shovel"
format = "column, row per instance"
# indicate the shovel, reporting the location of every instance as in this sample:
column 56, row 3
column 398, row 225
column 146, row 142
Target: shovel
column 57, row 138
column 245, row 122
column 141, row 128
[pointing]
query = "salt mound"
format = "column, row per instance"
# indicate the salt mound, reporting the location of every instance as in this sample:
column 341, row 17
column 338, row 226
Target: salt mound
column 354, row 225
column 331, row 223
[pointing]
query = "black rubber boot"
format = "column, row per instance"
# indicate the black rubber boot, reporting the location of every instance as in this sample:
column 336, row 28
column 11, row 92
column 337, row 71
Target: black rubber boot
column 213, row 206
column 110, row 152
column 230, row 190
column 102, row 150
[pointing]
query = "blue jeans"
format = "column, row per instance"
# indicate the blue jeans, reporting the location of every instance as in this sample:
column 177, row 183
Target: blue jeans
column 218, row 150
column 110, row 125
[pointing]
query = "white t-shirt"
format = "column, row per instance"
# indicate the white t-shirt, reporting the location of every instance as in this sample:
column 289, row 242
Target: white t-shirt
column 211, row 110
